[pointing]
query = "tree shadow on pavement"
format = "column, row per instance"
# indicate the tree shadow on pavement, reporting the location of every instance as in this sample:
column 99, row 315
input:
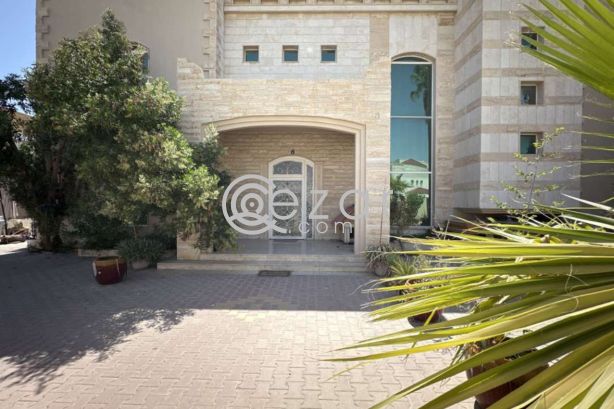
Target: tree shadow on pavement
column 53, row 313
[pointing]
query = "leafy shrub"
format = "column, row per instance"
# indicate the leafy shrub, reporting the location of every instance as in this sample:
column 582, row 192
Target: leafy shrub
column 164, row 235
column 98, row 232
column 150, row 250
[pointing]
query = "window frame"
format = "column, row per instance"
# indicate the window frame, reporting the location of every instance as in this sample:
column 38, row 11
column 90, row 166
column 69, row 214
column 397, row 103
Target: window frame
column 539, row 92
column 249, row 48
column 328, row 48
column 527, row 31
column 417, row 59
column 526, row 85
column 285, row 48
column 537, row 136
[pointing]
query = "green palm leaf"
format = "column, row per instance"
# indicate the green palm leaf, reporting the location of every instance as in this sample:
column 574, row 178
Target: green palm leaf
column 546, row 287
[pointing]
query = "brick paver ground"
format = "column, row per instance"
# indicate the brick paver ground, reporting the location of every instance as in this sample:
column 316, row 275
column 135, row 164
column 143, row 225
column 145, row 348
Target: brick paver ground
column 187, row 340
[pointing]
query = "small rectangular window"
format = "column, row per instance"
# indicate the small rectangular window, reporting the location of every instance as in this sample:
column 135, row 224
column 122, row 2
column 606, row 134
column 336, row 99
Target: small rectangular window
column 531, row 92
column 528, row 93
column 250, row 53
column 528, row 32
column 290, row 53
column 329, row 53
column 527, row 143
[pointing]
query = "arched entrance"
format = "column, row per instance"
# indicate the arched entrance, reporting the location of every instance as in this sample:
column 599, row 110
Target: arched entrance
column 245, row 128
column 291, row 201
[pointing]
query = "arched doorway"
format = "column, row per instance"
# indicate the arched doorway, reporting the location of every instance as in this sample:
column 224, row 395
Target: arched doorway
column 291, row 201
column 358, row 132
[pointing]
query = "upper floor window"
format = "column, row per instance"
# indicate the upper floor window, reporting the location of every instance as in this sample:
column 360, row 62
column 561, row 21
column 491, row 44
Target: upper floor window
column 251, row 53
column 410, row 142
column 527, row 32
column 528, row 143
column 143, row 51
column 145, row 60
column 328, row 53
column 531, row 93
column 290, row 53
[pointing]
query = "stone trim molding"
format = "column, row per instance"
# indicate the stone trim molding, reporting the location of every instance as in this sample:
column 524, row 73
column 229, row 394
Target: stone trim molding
column 358, row 130
column 348, row 8
column 42, row 30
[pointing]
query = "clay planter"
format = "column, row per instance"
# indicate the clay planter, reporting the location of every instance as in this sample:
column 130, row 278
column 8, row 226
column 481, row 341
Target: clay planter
column 486, row 399
column 422, row 318
column 109, row 270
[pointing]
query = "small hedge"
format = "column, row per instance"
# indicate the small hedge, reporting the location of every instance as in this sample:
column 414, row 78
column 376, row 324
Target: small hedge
column 147, row 249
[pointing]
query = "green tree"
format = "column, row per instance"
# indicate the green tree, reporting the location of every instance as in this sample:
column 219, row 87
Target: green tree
column 104, row 139
column 12, row 98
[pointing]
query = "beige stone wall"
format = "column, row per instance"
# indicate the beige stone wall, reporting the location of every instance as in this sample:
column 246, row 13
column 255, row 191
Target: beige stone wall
column 597, row 188
column 489, row 116
column 249, row 151
column 270, row 32
column 168, row 29
column 364, row 101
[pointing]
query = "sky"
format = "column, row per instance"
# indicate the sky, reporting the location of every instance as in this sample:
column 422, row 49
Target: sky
column 17, row 35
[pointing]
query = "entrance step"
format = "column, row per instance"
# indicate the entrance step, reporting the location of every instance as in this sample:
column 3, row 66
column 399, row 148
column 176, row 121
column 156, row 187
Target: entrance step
column 300, row 258
column 254, row 263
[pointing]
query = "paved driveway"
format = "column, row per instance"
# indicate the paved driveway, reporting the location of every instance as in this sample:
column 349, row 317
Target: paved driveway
column 186, row 340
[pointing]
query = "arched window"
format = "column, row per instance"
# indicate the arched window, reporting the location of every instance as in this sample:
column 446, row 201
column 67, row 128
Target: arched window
column 411, row 128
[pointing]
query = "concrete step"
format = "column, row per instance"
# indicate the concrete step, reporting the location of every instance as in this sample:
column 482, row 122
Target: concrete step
column 253, row 267
column 300, row 258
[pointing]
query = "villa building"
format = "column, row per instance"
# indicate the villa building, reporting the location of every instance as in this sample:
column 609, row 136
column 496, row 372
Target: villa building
column 347, row 95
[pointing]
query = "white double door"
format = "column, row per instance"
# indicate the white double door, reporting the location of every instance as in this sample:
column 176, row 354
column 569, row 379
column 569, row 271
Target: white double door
column 290, row 200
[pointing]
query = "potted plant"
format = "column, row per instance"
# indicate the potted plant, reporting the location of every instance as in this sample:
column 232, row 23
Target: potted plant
column 109, row 270
column 141, row 252
column 405, row 267
column 379, row 259
column 486, row 399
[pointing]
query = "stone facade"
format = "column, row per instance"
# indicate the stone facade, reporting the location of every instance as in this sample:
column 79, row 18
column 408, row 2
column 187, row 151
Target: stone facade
column 250, row 151
column 488, row 114
column 359, row 98
column 272, row 32
column 477, row 118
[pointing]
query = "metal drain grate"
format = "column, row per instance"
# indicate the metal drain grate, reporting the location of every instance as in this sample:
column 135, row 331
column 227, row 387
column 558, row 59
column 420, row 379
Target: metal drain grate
column 274, row 273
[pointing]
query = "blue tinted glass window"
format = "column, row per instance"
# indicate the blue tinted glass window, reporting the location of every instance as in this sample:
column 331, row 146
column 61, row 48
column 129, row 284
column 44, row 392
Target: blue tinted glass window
column 410, row 141
column 250, row 54
column 329, row 54
column 411, row 89
column 527, row 144
column 410, row 144
column 290, row 54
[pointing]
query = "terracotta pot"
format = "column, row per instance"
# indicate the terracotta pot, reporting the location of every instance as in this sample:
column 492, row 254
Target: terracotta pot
column 486, row 399
column 424, row 317
column 109, row 270
column 437, row 316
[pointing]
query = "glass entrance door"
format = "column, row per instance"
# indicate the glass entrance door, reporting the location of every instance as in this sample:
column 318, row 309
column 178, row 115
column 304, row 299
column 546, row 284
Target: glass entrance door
column 287, row 209
column 290, row 200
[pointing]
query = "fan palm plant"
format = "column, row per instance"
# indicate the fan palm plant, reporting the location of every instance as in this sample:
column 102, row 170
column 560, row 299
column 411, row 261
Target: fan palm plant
column 544, row 285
